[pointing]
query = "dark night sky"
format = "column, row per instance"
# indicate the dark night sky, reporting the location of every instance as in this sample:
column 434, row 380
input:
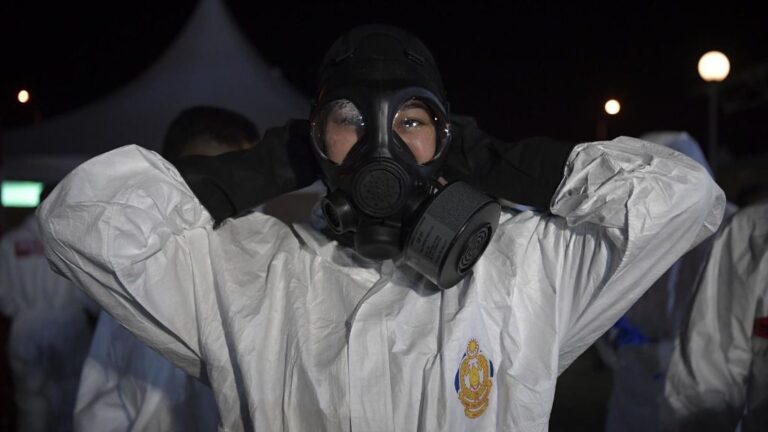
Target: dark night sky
column 521, row 67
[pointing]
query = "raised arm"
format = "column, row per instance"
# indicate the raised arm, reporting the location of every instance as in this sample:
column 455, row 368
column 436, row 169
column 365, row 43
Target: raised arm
column 232, row 184
column 624, row 212
column 526, row 172
column 125, row 227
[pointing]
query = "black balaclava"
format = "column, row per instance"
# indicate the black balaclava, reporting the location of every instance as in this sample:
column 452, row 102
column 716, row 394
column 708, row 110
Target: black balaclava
column 392, row 205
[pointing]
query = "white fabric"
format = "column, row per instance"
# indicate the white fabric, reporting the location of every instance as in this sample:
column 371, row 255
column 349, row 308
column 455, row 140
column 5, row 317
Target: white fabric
column 125, row 386
column 680, row 141
column 49, row 333
column 297, row 333
column 719, row 371
column 639, row 368
column 46, row 350
column 26, row 279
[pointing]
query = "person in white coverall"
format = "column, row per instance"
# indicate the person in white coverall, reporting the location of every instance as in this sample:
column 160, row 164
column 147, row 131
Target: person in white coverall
column 640, row 345
column 718, row 377
column 49, row 335
column 125, row 385
column 297, row 331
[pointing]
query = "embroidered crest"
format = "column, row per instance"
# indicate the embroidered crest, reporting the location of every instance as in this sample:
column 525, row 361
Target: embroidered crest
column 473, row 380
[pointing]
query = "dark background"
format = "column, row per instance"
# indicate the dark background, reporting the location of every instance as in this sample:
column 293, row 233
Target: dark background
column 522, row 68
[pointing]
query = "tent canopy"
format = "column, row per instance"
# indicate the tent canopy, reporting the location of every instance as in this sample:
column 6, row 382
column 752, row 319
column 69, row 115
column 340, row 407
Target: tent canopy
column 209, row 63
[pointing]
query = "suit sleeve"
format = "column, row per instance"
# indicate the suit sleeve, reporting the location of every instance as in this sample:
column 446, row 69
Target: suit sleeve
column 126, row 228
column 624, row 212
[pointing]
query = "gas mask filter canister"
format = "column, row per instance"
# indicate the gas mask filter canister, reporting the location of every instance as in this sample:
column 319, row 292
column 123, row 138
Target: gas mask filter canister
column 452, row 233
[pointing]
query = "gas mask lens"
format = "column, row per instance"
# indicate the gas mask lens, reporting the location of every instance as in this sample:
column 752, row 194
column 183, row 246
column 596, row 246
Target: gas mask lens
column 337, row 129
column 416, row 125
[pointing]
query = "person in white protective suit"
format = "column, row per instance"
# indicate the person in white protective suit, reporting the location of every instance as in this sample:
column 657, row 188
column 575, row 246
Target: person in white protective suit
column 49, row 334
column 639, row 346
column 125, row 385
column 425, row 308
column 718, row 377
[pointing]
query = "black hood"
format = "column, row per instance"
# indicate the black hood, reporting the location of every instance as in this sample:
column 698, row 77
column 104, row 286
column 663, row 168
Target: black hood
column 379, row 53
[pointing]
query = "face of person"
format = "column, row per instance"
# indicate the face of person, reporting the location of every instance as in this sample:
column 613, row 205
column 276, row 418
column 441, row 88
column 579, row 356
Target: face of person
column 416, row 127
column 344, row 126
column 413, row 123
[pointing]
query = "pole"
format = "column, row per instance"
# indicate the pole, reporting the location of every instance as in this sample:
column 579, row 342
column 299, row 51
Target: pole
column 712, row 150
column 601, row 131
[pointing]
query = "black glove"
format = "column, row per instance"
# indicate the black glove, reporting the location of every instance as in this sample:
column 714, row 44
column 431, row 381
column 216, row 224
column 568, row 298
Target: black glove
column 232, row 184
column 527, row 172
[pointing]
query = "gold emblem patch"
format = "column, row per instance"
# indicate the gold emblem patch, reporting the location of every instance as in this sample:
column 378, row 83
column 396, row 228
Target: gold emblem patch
column 473, row 380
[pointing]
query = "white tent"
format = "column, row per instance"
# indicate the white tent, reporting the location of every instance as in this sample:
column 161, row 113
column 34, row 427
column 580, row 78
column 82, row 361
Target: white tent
column 210, row 63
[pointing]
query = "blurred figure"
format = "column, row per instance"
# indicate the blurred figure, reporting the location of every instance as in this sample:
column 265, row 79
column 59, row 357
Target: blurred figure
column 126, row 386
column 718, row 377
column 639, row 345
column 50, row 331
column 208, row 131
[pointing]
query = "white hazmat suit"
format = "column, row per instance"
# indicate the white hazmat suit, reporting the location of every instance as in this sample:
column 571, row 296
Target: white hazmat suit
column 126, row 386
column 718, row 376
column 49, row 334
column 297, row 333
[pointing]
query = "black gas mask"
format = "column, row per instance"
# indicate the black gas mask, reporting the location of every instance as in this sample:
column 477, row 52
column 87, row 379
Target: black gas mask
column 381, row 134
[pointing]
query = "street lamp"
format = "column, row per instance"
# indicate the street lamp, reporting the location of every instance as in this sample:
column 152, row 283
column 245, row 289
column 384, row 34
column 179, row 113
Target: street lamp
column 23, row 96
column 713, row 68
column 611, row 107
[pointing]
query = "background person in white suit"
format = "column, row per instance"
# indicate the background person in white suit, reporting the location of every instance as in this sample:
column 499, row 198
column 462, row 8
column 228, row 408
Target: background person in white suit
column 50, row 331
column 718, row 377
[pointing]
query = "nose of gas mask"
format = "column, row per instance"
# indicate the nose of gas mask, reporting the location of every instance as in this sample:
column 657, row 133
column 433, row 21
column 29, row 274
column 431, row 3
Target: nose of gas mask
column 373, row 208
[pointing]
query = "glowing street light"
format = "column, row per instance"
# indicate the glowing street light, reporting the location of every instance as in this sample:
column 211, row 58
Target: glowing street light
column 23, row 96
column 713, row 68
column 612, row 107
